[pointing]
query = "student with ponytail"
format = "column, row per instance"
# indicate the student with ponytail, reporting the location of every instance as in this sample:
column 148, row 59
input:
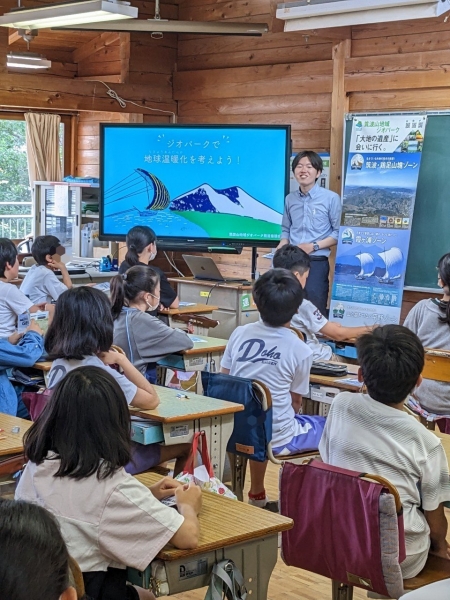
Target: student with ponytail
column 141, row 244
column 430, row 320
column 143, row 337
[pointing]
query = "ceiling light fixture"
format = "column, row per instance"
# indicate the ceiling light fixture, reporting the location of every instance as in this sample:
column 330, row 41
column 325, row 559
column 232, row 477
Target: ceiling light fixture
column 159, row 26
column 302, row 15
column 68, row 13
column 27, row 60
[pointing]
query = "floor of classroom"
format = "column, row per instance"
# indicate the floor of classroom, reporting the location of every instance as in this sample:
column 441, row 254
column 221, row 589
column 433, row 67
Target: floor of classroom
column 288, row 583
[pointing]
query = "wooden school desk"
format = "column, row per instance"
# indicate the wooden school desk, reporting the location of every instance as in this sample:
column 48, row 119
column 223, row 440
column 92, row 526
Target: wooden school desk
column 337, row 382
column 228, row 529
column 206, row 353
column 182, row 417
column 200, row 310
column 44, row 366
column 234, row 300
column 12, row 443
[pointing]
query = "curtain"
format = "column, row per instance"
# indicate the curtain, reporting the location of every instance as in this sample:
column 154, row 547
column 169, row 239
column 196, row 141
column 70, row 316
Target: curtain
column 43, row 147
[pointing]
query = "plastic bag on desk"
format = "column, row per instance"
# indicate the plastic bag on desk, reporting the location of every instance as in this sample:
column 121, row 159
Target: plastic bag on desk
column 203, row 475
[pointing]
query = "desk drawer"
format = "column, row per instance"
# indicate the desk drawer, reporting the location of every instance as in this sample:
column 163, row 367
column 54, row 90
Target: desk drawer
column 223, row 297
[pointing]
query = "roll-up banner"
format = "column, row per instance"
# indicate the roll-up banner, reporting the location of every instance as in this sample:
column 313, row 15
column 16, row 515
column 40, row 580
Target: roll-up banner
column 378, row 204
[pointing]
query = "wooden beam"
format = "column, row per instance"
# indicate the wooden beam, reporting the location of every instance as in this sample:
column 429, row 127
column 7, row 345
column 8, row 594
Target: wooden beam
column 51, row 93
column 98, row 43
column 339, row 107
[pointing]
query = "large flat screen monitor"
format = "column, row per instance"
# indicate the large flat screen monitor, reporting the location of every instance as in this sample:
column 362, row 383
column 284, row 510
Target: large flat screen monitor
column 196, row 186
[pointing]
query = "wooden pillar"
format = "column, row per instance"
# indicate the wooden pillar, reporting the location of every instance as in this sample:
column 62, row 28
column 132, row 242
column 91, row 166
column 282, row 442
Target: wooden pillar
column 339, row 107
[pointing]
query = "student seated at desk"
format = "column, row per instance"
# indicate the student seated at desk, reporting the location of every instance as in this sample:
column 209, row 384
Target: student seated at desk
column 77, row 451
column 309, row 320
column 372, row 433
column 35, row 561
column 13, row 302
column 430, row 320
column 141, row 244
column 40, row 283
column 80, row 334
column 143, row 337
column 19, row 350
column 273, row 354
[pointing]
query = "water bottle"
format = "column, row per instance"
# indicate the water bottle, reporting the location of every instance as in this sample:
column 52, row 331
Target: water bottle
column 105, row 264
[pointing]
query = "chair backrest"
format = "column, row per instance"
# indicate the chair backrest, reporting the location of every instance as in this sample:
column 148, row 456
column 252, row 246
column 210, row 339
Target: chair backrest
column 76, row 578
column 10, row 466
column 348, row 526
column 437, row 365
column 252, row 430
column 299, row 333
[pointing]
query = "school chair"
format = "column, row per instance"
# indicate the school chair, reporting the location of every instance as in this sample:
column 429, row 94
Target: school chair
column 8, row 468
column 348, row 526
column 76, row 578
column 252, row 431
column 437, row 368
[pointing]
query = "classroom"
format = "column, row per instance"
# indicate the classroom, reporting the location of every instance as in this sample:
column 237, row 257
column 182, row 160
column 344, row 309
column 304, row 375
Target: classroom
column 224, row 299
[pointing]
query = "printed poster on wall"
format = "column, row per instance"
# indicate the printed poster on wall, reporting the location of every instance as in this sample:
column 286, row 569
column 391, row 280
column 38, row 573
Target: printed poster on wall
column 378, row 205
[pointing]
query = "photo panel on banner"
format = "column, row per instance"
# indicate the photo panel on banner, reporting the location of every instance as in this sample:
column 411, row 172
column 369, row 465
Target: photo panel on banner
column 378, row 205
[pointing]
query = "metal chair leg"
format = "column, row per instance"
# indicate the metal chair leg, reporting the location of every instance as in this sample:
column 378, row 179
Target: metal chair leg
column 341, row 591
column 238, row 468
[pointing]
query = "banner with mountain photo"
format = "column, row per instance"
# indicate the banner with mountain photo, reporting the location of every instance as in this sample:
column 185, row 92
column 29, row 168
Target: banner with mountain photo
column 378, row 205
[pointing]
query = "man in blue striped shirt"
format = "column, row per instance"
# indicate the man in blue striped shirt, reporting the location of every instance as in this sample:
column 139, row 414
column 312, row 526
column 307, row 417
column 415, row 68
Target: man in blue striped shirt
column 311, row 221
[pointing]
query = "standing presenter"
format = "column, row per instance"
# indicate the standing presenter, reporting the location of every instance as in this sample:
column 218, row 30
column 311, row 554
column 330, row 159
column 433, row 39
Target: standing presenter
column 311, row 221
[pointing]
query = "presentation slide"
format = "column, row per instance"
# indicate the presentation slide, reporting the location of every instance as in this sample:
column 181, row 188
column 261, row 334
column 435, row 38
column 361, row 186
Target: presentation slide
column 222, row 183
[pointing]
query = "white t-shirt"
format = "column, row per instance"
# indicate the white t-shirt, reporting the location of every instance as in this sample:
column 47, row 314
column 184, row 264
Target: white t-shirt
column 13, row 302
column 61, row 367
column 41, row 285
column 364, row 435
column 277, row 357
column 310, row 321
column 113, row 522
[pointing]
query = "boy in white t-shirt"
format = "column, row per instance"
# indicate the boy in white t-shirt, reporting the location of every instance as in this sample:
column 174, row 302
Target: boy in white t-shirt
column 13, row 302
column 372, row 433
column 272, row 353
column 309, row 320
column 40, row 283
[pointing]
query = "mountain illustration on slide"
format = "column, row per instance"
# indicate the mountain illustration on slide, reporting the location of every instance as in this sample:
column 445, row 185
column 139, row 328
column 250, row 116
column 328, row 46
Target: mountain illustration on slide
column 231, row 201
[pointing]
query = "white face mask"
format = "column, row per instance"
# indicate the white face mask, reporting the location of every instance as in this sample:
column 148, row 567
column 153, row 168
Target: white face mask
column 152, row 256
column 150, row 307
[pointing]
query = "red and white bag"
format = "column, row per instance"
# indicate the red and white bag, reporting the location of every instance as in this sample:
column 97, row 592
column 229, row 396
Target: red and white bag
column 203, row 475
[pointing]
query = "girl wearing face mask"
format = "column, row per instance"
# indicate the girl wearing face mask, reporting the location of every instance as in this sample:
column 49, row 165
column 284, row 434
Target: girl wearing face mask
column 430, row 321
column 143, row 337
column 141, row 244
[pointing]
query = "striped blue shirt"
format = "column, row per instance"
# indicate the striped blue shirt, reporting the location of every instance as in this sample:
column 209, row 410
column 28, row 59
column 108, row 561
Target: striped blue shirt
column 311, row 217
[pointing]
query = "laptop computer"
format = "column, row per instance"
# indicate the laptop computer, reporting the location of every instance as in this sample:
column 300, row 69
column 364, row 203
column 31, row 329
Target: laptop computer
column 203, row 267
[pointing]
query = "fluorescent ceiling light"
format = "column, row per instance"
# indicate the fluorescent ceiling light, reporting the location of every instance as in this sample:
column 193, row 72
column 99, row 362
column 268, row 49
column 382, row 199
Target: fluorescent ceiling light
column 169, row 26
column 27, row 60
column 69, row 13
column 304, row 15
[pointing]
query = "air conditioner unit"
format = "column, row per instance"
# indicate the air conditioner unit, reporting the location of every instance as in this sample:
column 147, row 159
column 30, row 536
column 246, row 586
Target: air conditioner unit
column 304, row 15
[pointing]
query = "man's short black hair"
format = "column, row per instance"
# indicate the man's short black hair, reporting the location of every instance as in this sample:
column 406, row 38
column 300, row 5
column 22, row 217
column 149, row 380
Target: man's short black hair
column 313, row 158
column 391, row 358
column 8, row 254
column 277, row 295
column 43, row 245
column 292, row 258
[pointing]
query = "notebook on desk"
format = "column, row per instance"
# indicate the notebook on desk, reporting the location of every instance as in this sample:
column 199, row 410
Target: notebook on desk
column 203, row 267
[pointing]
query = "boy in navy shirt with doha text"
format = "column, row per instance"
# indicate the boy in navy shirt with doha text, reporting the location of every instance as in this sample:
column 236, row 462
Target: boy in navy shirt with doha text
column 272, row 353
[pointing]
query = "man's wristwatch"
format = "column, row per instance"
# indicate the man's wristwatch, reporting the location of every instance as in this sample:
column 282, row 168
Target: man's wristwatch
column 315, row 247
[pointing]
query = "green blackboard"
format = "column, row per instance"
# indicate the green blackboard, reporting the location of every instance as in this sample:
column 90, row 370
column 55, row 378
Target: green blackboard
column 430, row 235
